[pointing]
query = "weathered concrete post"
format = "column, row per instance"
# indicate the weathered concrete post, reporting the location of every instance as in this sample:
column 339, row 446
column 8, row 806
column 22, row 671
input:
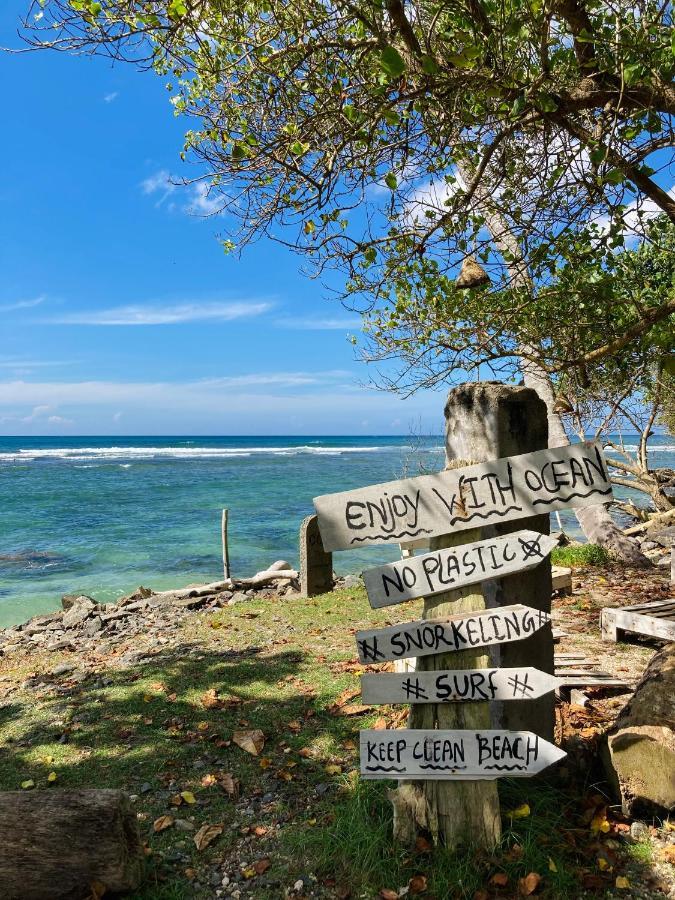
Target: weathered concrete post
column 483, row 422
column 316, row 566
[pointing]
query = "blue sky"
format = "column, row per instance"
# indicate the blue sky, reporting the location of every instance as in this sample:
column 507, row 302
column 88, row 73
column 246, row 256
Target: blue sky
column 120, row 312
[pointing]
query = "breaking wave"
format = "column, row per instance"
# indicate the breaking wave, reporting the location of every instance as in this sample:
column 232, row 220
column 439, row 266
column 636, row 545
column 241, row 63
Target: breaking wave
column 81, row 454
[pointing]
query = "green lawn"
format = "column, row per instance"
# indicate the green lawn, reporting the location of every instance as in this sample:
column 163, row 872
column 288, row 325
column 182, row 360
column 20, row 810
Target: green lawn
column 159, row 731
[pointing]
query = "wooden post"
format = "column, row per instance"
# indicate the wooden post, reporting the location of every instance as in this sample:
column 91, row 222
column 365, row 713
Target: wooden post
column 316, row 565
column 483, row 422
column 226, row 549
column 488, row 421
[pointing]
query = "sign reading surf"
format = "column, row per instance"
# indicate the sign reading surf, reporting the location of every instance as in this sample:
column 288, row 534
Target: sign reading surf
column 455, row 567
column 419, row 754
column 461, row 632
column 456, row 499
column 457, row 685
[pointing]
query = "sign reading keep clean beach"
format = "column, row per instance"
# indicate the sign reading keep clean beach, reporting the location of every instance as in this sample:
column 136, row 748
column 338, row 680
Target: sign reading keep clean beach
column 457, row 499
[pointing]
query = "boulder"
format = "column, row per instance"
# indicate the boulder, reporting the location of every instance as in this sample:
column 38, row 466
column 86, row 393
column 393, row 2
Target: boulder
column 639, row 753
column 78, row 612
column 69, row 600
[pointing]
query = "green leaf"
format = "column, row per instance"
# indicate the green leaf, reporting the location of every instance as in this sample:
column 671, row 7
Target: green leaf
column 632, row 72
column 391, row 181
column 392, row 62
column 239, row 151
column 429, row 65
column 614, row 176
column 310, row 227
column 297, row 148
column 546, row 103
column 391, row 117
column 177, row 9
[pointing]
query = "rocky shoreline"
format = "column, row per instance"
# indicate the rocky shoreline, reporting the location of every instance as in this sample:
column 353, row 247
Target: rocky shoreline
column 151, row 617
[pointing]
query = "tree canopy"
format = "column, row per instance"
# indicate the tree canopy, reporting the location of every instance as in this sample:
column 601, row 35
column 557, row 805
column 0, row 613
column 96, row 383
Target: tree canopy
column 385, row 138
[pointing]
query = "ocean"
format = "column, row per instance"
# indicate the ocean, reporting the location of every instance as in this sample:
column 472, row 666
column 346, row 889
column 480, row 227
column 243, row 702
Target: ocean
column 101, row 516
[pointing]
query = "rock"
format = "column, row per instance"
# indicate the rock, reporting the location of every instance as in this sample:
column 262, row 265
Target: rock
column 61, row 643
column 279, row 566
column 649, row 545
column 69, row 600
column 238, row 597
column 192, row 602
column 663, row 562
column 62, row 669
column 78, row 612
column 184, row 825
column 639, row 831
column 639, row 754
column 145, row 788
column 351, row 581
column 93, row 626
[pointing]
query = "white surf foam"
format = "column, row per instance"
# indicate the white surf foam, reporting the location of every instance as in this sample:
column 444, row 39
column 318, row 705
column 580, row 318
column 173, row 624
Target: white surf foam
column 81, row 454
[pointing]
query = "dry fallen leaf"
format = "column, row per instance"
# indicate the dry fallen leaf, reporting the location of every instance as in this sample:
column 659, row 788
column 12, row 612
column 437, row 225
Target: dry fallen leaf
column 188, row 797
column 422, row 845
column 599, row 822
column 27, row 784
column 622, row 883
column 229, row 784
column 669, row 854
column 210, row 700
column 520, row 812
column 265, row 762
column 251, row 741
column 51, row 778
column 207, row 835
column 528, row 885
column 417, row 884
column 388, row 894
column 480, row 895
column 499, row 879
column 162, row 823
column 332, row 769
column 261, row 866
column 209, row 780
column 551, row 865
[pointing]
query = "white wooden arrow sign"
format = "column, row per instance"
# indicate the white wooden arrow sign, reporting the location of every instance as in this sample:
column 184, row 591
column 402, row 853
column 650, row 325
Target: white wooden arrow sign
column 417, row 754
column 461, row 632
column 456, row 499
column 455, row 567
column 457, row 685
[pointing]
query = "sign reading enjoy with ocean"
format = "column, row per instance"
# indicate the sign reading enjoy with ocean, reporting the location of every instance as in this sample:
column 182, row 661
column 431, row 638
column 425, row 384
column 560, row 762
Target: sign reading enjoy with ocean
column 433, row 505
column 457, row 499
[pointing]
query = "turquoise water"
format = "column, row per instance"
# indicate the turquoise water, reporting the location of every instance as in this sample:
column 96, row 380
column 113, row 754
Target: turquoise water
column 103, row 515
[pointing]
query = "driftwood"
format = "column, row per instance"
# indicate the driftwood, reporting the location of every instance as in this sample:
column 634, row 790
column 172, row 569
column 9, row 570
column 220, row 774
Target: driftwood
column 217, row 587
column 58, row 845
column 640, row 752
column 655, row 521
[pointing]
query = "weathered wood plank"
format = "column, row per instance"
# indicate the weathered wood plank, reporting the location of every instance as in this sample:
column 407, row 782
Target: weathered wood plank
column 652, row 607
column 456, row 685
column 561, row 579
column 451, row 568
column 614, row 620
column 455, row 499
column 416, row 754
column 422, row 638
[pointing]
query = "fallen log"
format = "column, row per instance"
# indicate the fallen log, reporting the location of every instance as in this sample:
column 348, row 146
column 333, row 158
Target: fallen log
column 639, row 754
column 655, row 521
column 56, row 845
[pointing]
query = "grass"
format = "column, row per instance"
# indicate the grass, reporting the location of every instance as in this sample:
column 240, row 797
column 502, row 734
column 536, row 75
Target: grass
column 279, row 666
column 582, row 555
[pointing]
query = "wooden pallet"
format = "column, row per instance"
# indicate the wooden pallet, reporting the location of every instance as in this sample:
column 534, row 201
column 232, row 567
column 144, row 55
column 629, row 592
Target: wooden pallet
column 655, row 619
column 577, row 671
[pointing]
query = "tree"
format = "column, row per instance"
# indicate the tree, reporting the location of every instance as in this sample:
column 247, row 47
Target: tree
column 328, row 125
column 401, row 141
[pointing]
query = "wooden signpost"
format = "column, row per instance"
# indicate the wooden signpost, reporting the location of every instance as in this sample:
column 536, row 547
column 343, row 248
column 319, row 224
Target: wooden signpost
column 462, row 632
column 457, row 499
column 455, row 567
column 416, row 754
column 456, row 685
column 451, row 738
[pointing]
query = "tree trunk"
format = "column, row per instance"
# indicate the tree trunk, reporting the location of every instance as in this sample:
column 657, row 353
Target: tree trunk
column 640, row 751
column 452, row 812
column 54, row 845
column 595, row 521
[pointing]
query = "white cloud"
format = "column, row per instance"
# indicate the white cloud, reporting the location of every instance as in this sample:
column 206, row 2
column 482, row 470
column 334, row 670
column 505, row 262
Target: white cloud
column 279, row 379
column 203, row 201
column 109, row 98
column 15, row 362
column 39, row 412
column 311, row 324
column 165, row 315
column 159, row 183
column 22, row 304
column 117, row 416
column 59, row 420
